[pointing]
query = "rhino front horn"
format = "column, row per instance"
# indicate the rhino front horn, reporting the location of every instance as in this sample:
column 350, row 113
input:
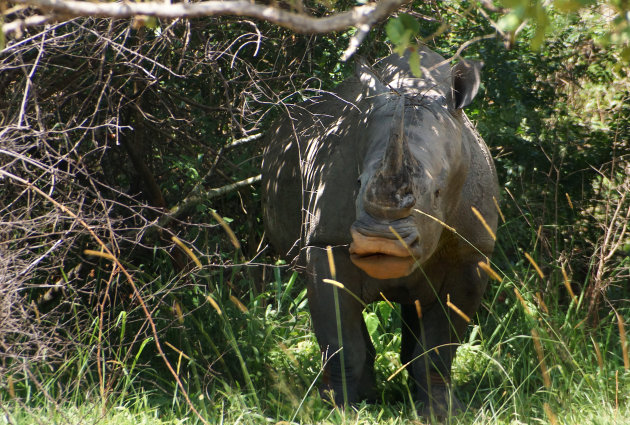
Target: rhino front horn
column 389, row 194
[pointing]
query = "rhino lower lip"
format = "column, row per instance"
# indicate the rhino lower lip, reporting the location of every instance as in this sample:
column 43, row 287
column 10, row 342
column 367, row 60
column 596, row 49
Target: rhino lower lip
column 384, row 266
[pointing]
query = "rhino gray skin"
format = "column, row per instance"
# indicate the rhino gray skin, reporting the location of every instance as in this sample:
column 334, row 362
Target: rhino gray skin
column 386, row 151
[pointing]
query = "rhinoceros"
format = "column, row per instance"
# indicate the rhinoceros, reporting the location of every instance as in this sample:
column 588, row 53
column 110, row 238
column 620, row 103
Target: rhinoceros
column 385, row 171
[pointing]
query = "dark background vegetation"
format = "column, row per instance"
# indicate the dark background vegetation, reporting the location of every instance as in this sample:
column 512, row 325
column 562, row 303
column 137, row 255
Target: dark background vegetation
column 132, row 126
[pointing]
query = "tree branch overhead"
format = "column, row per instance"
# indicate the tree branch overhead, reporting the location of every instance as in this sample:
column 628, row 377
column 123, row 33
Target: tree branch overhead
column 358, row 16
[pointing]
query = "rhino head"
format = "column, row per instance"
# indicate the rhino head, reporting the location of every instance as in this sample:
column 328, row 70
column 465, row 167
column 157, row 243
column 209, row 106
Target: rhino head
column 412, row 174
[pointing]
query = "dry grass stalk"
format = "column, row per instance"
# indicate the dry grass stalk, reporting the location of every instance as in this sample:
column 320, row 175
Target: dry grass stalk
column 386, row 300
column 456, row 309
column 489, row 271
column 569, row 200
column 11, row 386
column 342, row 286
column 177, row 350
column 496, row 204
column 334, row 283
column 484, row 222
column 541, row 302
column 101, row 254
column 522, row 300
column 567, row 284
column 331, row 262
column 446, row 226
column 533, row 263
column 214, row 304
column 238, row 304
column 227, row 229
column 187, row 250
column 598, row 354
column 418, row 309
column 541, row 358
column 553, row 419
column 623, row 342
column 178, row 312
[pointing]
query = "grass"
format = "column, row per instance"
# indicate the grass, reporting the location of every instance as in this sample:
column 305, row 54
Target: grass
column 529, row 358
column 533, row 354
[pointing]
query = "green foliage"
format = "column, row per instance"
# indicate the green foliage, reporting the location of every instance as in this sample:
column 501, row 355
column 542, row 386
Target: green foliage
column 540, row 13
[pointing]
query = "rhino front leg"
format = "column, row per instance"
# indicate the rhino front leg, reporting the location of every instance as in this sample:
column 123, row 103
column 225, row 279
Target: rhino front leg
column 435, row 337
column 351, row 363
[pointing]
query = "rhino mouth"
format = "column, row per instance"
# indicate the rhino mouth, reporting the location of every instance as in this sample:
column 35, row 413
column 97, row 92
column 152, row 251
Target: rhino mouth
column 381, row 254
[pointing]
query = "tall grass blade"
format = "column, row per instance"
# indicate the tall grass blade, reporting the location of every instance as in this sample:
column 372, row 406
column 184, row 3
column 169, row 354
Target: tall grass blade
column 340, row 285
column 101, row 254
column 214, row 304
column 569, row 200
column 623, row 342
column 418, row 309
column 342, row 360
column 187, row 250
column 238, row 304
column 496, row 205
column 541, row 358
column 553, row 419
column 489, row 271
column 484, row 223
column 456, row 309
column 567, row 284
column 536, row 267
column 522, row 301
column 227, row 229
column 598, row 354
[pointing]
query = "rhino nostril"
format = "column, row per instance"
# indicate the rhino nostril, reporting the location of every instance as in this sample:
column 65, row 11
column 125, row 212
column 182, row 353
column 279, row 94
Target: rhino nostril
column 407, row 201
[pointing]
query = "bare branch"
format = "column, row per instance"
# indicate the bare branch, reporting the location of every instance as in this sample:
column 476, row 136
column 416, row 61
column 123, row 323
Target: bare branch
column 355, row 17
column 199, row 196
column 18, row 25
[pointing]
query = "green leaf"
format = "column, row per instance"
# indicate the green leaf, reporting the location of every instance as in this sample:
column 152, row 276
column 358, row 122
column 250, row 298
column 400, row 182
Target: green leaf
column 401, row 31
column 371, row 322
column 509, row 22
column 385, row 309
column 542, row 22
column 410, row 23
column 394, row 30
column 513, row 4
column 414, row 62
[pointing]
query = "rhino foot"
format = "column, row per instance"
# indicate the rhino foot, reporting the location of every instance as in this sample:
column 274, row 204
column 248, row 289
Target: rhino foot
column 440, row 405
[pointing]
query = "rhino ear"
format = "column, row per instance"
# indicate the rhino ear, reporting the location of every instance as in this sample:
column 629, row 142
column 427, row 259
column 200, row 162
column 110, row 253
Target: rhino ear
column 370, row 81
column 466, row 80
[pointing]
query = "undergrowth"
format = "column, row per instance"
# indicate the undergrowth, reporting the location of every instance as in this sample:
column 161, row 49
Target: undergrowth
column 531, row 356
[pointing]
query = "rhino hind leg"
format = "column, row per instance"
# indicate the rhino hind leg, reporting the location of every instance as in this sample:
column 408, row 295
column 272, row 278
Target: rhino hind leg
column 429, row 344
column 356, row 373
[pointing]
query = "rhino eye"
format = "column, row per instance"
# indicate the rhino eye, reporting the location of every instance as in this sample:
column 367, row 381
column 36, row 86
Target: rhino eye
column 436, row 193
